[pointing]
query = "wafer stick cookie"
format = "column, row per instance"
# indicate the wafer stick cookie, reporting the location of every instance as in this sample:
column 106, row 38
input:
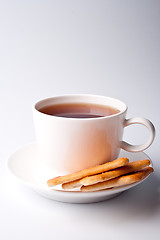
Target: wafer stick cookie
column 73, row 184
column 130, row 167
column 119, row 181
column 88, row 172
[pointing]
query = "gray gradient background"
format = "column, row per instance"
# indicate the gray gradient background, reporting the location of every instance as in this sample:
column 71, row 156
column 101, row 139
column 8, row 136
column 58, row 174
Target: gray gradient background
column 58, row 47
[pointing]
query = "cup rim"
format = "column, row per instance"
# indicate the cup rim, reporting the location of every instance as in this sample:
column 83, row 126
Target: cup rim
column 34, row 107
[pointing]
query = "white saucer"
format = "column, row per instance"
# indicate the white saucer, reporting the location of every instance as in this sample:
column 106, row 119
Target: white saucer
column 23, row 165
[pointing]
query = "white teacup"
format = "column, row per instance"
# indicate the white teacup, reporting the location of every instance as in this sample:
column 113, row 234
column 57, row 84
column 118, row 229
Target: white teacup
column 67, row 145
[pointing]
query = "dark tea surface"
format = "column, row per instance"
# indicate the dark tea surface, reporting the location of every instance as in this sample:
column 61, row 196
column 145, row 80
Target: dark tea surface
column 78, row 110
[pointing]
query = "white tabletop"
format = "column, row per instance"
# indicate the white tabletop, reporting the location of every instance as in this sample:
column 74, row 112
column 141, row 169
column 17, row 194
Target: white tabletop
column 49, row 48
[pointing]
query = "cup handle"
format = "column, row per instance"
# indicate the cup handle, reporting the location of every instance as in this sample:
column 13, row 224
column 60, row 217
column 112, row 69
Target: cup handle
column 137, row 148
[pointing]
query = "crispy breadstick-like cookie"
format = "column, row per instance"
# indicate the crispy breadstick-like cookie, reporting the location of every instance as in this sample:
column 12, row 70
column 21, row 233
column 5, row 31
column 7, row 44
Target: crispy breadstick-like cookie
column 119, row 181
column 130, row 167
column 88, row 172
column 71, row 185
